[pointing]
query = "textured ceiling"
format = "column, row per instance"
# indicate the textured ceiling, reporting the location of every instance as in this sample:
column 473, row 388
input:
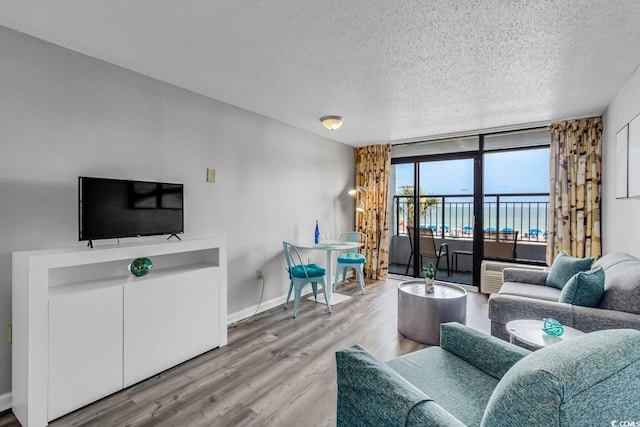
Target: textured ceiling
column 397, row 69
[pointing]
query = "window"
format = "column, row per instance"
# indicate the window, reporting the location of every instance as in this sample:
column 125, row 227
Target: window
column 516, row 195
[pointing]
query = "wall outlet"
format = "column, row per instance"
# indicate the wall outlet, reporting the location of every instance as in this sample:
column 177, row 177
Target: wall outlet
column 259, row 274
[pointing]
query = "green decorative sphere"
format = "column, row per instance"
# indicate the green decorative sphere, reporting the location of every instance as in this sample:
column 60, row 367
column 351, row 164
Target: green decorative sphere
column 140, row 266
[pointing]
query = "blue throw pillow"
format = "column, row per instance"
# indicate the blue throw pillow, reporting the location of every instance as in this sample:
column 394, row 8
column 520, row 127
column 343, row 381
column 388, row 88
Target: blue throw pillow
column 585, row 288
column 564, row 268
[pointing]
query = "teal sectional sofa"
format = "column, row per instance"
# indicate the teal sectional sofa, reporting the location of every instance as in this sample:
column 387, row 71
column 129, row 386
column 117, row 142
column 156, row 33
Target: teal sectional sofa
column 475, row 379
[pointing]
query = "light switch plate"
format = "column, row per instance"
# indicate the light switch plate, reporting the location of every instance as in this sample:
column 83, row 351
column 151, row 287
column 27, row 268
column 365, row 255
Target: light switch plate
column 211, row 175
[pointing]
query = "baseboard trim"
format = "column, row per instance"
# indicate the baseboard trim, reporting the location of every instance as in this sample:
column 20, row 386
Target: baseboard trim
column 5, row 401
column 264, row 306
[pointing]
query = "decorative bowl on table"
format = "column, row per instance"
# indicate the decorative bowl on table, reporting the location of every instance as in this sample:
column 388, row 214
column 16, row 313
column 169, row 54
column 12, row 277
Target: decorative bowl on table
column 140, row 266
column 552, row 327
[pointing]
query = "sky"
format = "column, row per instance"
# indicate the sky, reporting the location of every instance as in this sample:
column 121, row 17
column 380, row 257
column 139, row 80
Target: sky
column 521, row 171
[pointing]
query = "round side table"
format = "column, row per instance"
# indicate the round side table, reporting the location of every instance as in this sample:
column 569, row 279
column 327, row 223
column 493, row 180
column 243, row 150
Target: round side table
column 420, row 314
column 530, row 332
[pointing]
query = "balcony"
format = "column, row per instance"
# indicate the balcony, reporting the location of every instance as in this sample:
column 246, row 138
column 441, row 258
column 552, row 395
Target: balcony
column 451, row 219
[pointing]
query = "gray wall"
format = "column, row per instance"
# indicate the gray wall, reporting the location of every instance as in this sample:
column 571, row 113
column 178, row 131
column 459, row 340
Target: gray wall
column 63, row 114
column 621, row 226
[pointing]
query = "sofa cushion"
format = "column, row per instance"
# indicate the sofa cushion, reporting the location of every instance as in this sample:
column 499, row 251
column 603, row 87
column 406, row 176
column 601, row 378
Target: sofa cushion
column 523, row 275
column 622, row 282
column 490, row 354
column 585, row 288
column 546, row 293
column 371, row 393
column 460, row 388
column 587, row 380
column 564, row 267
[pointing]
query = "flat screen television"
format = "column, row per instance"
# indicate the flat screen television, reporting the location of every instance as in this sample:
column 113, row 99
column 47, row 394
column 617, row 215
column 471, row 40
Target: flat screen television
column 116, row 208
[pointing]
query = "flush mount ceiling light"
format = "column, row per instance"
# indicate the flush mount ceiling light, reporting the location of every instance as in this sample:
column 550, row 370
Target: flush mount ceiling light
column 332, row 122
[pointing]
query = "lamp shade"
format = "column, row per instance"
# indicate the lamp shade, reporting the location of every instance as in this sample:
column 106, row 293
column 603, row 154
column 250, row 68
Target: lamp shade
column 332, row 122
column 357, row 191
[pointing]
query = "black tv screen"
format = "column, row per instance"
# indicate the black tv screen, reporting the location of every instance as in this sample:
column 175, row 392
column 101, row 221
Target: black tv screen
column 115, row 208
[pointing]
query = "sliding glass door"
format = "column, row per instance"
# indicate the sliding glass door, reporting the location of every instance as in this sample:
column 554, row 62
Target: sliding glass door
column 463, row 201
column 434, row 207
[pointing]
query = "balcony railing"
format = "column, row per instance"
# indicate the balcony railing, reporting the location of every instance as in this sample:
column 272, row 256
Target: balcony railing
column 452, row 216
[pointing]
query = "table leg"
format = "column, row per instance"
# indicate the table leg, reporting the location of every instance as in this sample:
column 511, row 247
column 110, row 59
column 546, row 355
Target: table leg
column 334, row 298
column 329, row 278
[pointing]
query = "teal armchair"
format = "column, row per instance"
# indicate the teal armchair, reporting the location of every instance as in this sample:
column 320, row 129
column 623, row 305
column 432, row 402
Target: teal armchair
column 474, row 379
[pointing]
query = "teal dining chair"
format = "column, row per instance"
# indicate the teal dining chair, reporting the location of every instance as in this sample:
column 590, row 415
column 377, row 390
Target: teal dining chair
column 300, row 274
column 353, row 258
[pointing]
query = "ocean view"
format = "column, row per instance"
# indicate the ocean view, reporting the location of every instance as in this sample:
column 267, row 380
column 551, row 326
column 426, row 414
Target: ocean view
column 528, row 218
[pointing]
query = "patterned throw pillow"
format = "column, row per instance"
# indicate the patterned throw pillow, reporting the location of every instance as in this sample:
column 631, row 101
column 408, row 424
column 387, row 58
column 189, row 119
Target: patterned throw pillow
column 585, row 288
column 564, row 267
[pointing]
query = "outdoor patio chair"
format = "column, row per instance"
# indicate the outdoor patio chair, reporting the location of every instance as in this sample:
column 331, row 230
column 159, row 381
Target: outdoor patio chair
column 428, row 249
column 354, row 258
column 300, row 274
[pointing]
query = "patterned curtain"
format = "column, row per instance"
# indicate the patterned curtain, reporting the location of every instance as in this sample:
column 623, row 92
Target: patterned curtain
column 372, row 172
column 574, row 202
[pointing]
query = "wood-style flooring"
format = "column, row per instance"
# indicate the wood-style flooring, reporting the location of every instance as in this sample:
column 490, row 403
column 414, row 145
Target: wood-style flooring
column 275, row 370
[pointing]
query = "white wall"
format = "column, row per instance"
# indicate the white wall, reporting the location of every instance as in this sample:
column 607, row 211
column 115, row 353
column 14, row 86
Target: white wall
column 621, row 228
column 63, row 114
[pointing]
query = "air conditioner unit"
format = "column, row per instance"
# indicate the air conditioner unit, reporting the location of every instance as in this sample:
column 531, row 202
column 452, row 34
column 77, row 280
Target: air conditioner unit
column 491, row 274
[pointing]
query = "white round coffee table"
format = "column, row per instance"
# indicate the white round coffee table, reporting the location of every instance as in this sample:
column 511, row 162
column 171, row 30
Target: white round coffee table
column 530, row 332
column 420, row 314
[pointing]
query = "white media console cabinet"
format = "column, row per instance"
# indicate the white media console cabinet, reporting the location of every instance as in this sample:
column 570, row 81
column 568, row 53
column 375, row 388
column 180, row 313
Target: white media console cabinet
column 84, row 327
